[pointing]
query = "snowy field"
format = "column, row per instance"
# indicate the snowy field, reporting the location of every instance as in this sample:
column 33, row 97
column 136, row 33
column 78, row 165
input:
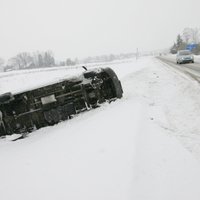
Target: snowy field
column 145, row 146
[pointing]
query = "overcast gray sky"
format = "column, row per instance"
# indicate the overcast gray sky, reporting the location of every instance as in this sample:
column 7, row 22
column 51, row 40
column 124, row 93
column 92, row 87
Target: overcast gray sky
column 79, row 28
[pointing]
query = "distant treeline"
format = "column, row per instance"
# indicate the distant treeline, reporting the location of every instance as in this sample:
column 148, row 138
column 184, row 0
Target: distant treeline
column 38, row 59
column 97, row 59
column 189, row 36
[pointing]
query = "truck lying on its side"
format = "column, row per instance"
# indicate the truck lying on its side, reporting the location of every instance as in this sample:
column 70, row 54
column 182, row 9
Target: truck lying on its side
column 48, row 105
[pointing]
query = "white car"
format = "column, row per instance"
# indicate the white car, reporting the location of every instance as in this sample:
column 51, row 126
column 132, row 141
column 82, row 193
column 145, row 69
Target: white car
column 184, row 56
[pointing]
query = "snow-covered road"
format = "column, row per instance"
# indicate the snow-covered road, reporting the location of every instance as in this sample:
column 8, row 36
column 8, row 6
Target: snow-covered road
column 145, row 146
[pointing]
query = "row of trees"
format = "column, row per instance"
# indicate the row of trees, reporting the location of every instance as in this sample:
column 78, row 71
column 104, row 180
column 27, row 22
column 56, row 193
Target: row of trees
column 35, row 60
column 38, row 59
column 108, row 58
column 188, row 37
column 97, row 59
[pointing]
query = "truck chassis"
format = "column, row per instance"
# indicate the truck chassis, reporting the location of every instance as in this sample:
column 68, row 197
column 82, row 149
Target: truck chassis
column 27, row 111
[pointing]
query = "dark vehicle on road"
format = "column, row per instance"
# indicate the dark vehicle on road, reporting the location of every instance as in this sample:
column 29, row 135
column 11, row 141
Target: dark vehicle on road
column 184, row 56
column 48, row 105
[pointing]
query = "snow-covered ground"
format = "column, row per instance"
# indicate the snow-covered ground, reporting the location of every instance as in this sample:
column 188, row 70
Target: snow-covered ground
column 145, row 146
column 22, row 80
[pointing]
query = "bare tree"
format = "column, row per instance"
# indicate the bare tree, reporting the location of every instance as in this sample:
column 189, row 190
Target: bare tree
column 21, row 60
column 196, row 35
column 186, row 35
column 15, row 62
column 49, row 59
column 1, row 63
column 191, row 35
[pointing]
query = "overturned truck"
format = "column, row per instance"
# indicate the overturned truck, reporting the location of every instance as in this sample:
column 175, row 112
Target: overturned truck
column 50, row 104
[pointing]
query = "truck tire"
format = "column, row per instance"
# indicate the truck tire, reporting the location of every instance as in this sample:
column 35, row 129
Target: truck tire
column 116, row 82
column 6, row 98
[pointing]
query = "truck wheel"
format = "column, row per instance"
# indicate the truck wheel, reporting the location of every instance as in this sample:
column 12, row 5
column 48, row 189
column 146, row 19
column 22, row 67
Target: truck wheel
column 116, row 82
column 6, row 98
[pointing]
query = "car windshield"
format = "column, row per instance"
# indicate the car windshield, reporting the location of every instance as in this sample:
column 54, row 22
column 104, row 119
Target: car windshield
column 184, row 53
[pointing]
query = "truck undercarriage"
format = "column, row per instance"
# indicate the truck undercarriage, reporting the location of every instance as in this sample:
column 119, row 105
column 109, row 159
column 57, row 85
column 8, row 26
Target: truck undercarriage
column 48, row 105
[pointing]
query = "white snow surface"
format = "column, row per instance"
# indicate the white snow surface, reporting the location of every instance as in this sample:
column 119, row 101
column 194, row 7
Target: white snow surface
column 145, row 146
